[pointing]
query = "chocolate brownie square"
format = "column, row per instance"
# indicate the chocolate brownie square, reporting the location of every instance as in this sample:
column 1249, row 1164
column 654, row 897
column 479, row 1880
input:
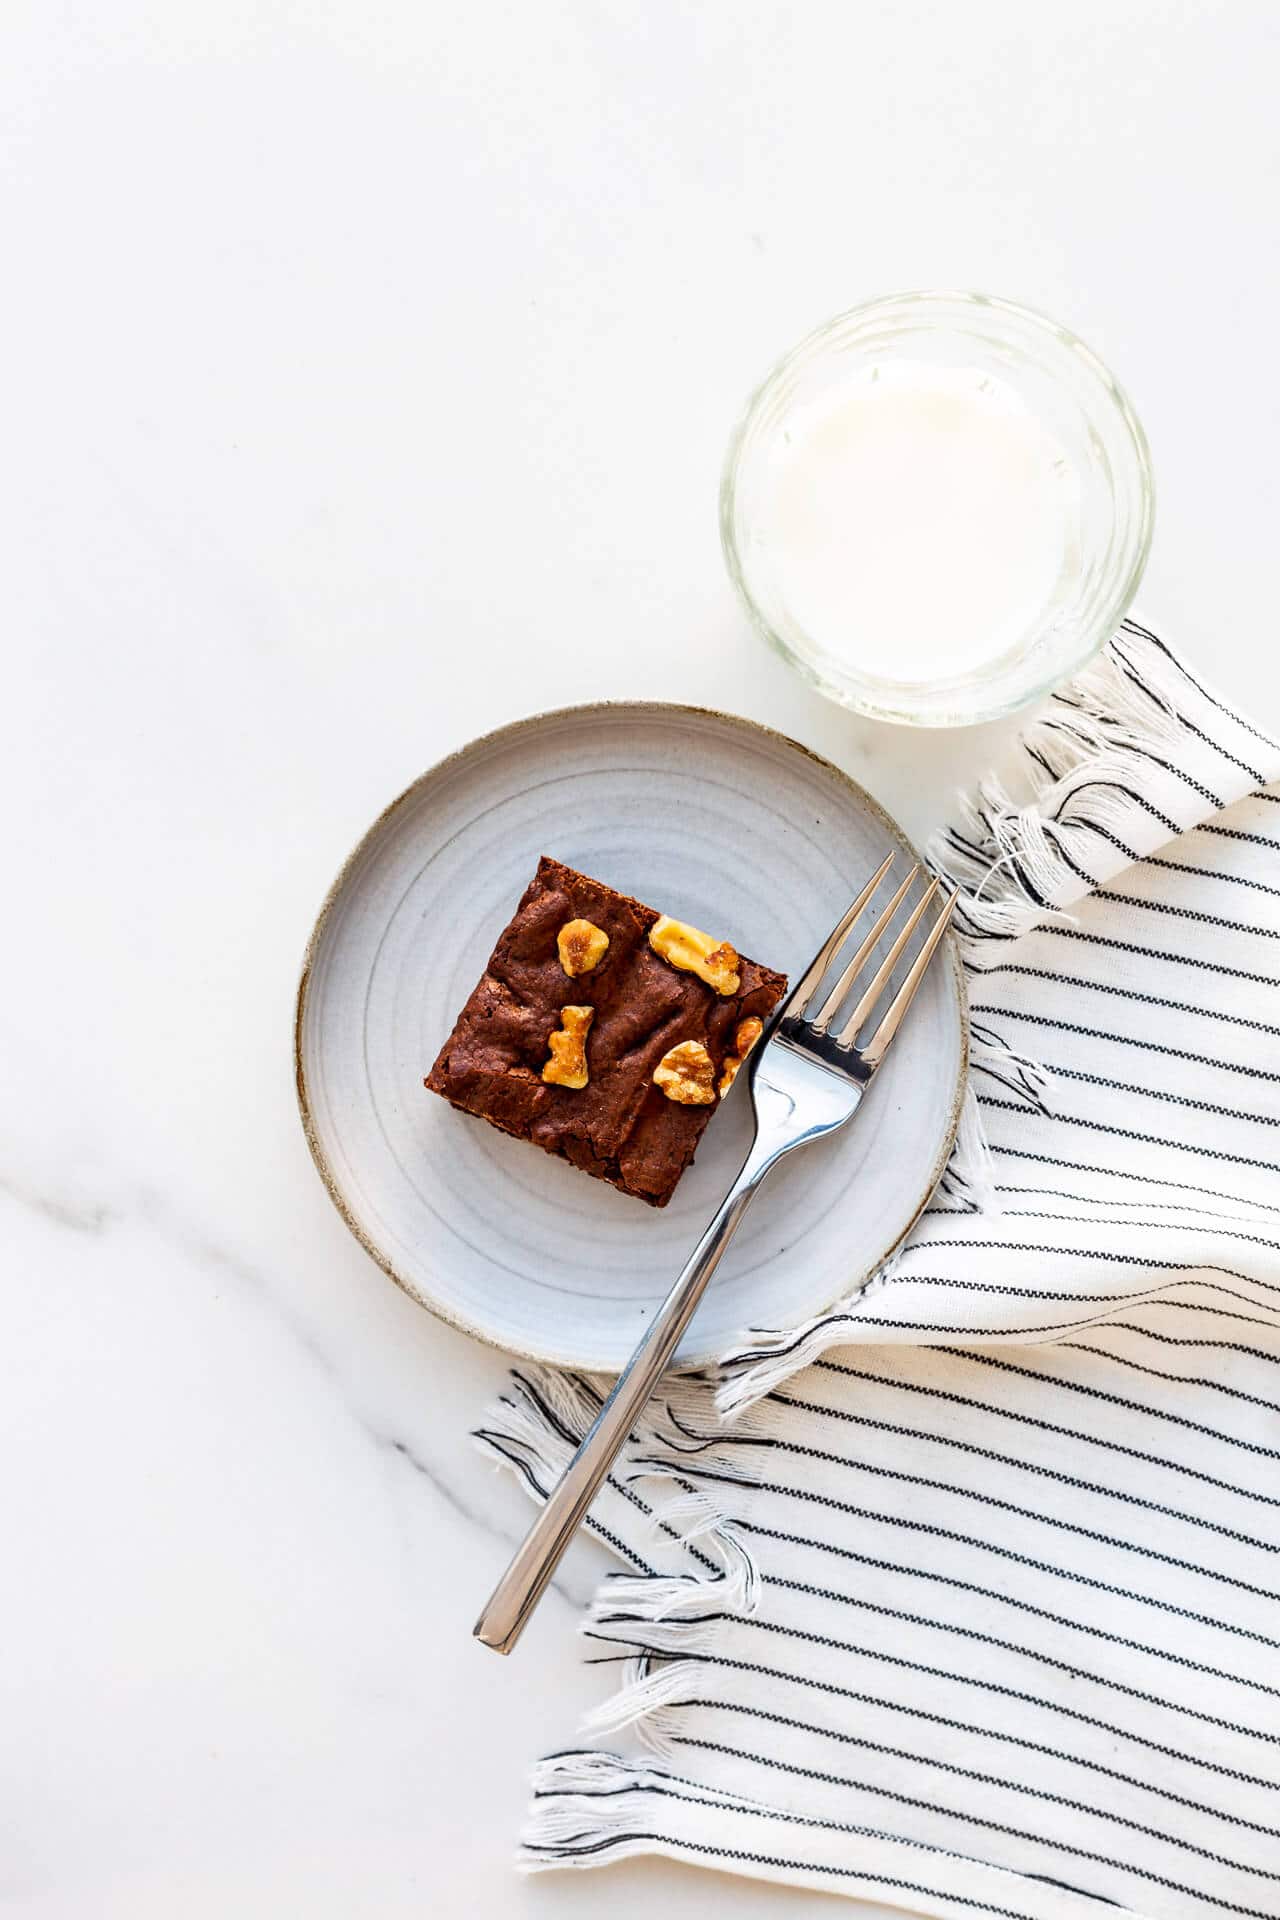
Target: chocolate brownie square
column 604, row 1032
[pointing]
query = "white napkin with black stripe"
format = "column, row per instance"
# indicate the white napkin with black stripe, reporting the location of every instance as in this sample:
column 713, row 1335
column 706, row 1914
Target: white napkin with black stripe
column 966, row 1597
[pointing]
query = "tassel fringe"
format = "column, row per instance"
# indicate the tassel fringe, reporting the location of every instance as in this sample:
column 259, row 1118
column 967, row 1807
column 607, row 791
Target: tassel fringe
column 655, row 1617
column 1100, row 793
column 585, row 1800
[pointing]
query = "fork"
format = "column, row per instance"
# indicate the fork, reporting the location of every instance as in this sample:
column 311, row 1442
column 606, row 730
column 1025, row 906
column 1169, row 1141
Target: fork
column 806, row 1081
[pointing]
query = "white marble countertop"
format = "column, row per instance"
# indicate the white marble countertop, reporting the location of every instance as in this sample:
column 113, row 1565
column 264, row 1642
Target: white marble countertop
column 368, row 372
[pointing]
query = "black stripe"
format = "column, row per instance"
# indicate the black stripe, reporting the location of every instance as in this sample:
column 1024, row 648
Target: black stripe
column 1198, row 914
column 1140, row 952
column 1111, row 1399
column 1186, row 1380
column 1144, row 1139
column 1131, row 1177
column 1154, row 1296
column 1113, row 1200
column 1112, row 1258
column 1209, row 873
column 743, row 1361
column 572, row 1850
column 1125, row 1040
column 1077, row 1325
column 1174, row 1340
column 1251, row 1114
column 1148, row 1226
column 1131, row 993
column 1238, row 833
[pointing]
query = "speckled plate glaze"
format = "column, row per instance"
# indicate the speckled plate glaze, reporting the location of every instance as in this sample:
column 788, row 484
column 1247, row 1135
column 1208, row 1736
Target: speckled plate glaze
column 710, row 818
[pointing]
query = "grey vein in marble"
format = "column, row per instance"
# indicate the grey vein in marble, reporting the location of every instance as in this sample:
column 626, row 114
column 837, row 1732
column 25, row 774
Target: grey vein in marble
column 81, row 1214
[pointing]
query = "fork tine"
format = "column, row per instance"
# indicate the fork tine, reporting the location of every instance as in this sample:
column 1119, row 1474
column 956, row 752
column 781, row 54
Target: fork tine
column 880, row 979
column 812, row 976
column 878, row 1045
column 832, row 1004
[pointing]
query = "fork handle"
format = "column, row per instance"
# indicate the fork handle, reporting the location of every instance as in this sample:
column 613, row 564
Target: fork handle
column 521, row 1586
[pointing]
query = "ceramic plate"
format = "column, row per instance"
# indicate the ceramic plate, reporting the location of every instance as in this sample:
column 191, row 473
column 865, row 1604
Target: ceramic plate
column 712, row 819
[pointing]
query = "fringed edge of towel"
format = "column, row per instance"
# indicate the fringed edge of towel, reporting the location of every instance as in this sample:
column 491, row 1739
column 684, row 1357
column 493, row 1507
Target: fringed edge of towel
column 582, row 1795
column 702, row 1565
column 654, row 1616
column 589, row 1807
column 1115, row 766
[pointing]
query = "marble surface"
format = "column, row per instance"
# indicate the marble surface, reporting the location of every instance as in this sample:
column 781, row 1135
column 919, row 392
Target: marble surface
column 368, row 369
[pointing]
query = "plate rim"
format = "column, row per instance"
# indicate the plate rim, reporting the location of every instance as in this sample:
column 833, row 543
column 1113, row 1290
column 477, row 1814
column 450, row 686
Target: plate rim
column 509, row 731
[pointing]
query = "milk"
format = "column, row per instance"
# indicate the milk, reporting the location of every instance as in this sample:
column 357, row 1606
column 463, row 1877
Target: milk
column 919, row 521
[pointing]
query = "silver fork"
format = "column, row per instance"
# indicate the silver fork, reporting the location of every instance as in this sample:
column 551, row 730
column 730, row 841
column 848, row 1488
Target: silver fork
column 806, row 1081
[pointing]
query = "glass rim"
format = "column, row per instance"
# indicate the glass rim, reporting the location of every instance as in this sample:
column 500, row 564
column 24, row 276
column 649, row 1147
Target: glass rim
column 868, row 694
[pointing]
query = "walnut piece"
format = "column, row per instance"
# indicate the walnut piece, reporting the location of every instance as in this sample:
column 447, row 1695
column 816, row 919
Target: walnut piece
column 582, row 946
column 685, row 1073
column 744, row 1039
column 567, row 1066
column 693, row 952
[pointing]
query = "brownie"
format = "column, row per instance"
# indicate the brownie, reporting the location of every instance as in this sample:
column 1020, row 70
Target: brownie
column 620, row 1126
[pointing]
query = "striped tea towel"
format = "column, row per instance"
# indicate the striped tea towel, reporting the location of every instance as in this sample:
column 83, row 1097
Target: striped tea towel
column 966, row 1597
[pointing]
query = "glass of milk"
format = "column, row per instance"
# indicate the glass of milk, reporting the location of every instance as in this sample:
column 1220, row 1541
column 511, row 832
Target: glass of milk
column 937, row 506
